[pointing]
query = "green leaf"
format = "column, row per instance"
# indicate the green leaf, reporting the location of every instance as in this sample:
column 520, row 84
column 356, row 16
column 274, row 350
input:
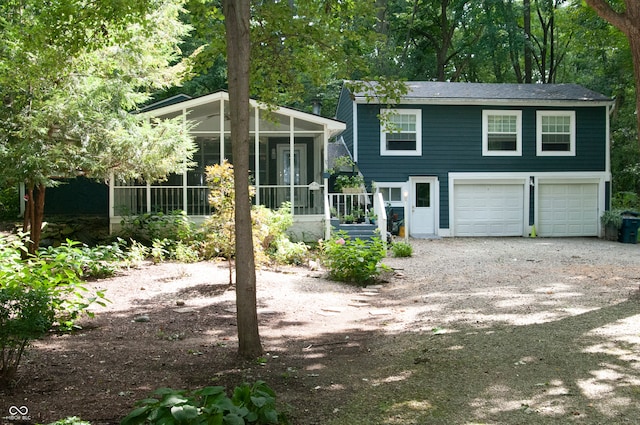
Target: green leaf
column 233, row 419
column 137, row 416
column 185, row 413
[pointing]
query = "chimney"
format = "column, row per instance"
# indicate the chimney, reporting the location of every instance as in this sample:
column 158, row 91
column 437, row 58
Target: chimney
column 316, row 106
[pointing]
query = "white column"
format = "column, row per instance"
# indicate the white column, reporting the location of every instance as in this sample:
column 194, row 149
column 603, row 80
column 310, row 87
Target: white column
column 185, row 198
column 256, row 140
column 292, row 155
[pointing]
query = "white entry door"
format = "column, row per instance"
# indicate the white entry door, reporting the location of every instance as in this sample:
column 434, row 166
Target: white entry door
column 422, row 206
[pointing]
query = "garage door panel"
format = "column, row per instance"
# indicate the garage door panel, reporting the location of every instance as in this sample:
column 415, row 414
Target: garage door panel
column 568, row 209
column 488, row 209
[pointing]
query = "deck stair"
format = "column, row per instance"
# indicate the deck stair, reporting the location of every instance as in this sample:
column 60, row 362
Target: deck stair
column 362, row 231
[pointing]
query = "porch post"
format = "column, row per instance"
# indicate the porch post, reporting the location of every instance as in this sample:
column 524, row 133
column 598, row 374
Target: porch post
column 185, row 198
column 325, row 184
column 221, row 130
column 256, row 148
column 292, row 170
column 112, row 201
column 148, row 197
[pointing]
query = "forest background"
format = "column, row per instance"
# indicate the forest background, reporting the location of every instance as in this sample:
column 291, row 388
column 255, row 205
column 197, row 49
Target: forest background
column 488, row 41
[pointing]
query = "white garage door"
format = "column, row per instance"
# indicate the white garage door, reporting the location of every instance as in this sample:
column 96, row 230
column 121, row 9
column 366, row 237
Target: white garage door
column 568, row 209
column 488, row 209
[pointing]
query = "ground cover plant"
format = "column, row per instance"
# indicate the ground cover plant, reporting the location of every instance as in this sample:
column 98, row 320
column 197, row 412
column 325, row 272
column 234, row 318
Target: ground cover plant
column 249, row 404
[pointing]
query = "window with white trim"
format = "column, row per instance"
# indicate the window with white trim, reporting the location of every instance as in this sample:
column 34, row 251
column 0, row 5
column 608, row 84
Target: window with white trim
column 501, row 133
column 391, row 195
column 401, row 132
column 556, row 133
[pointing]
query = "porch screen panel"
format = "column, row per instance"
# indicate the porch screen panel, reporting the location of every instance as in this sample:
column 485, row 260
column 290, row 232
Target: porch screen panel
column 208, row 153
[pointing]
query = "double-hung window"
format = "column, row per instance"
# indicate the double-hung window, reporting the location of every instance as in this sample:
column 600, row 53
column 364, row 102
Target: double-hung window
column 501, row 133
column 401, row 132
column 556, row 133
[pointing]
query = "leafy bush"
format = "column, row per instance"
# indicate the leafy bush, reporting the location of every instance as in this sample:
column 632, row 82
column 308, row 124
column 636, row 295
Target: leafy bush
column 36, row 292
column 9, row 203
column 250, row 404
column 356, row 260
column 146, row 228
column 26, row 313
column 98, row 262
column 401, row 249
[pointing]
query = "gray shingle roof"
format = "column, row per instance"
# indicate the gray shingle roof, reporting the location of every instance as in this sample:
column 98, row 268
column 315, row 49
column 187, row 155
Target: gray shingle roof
column 426, row 90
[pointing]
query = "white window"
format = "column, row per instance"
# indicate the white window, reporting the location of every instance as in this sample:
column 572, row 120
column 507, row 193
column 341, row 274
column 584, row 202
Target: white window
column 401, row 132
column 556, row 133
column 391, row 195
column 501, row 133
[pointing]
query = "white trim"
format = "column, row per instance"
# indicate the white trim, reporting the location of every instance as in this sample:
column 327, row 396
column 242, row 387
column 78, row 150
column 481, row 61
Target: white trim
column 485, row 132
column 496, row 102
column 393, row 185
column 334, row 126
column 572, row 134
column 383, row 134
column 355, row 132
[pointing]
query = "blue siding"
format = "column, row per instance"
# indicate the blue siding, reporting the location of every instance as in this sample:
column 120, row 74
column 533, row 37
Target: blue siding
column 344, row 113
column 452, row 142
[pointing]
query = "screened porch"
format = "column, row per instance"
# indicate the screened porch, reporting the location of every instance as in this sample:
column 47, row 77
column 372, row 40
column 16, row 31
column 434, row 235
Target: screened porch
column 287, row 160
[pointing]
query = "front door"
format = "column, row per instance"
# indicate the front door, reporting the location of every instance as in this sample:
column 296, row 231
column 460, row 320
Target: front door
column 422, row 206
column 287, row 176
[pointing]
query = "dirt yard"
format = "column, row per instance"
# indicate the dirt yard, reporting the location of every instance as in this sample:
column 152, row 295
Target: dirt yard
column 467, row 331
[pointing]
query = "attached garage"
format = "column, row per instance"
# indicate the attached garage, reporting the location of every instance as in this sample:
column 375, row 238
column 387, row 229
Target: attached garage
column 567, row 209
column 488, row 209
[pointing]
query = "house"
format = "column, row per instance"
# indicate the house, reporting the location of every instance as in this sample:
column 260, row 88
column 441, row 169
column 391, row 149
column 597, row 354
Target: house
column 469, row 159
column 288, row 160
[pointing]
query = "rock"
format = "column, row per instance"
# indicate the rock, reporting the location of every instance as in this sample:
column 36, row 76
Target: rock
column 142, row 318
column 179, row 303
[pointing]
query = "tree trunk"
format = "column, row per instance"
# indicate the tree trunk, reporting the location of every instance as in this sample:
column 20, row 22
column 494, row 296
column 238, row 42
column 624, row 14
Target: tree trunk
column 527, row 42
column 33, row 216
column 237, row 15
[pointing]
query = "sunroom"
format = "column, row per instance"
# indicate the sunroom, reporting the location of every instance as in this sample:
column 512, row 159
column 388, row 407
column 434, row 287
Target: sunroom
column 288, row 159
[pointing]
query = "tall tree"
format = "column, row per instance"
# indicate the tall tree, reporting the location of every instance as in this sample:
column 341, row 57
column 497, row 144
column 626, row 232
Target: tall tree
column 82, row 68
column 274, row 52
column 237, row 16
column 627, row 19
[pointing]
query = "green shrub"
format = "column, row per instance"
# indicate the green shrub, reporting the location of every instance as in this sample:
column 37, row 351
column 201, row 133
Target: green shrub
column 9, row 203
column 356, row 260
column 146, row 228
column 36, row 292
column 250, row 404
column 401, row 249
column 26, row 313
column 97, row 262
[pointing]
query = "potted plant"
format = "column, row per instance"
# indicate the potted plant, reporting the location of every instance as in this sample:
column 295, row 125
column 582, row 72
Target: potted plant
column 350, row 184
column 348, row 218
column 612, row 223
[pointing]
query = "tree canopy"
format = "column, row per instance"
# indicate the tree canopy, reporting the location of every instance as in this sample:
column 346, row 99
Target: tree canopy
column 71, row 73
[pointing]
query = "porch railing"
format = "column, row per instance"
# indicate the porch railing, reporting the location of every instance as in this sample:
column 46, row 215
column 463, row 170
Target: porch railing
column 135, row 200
